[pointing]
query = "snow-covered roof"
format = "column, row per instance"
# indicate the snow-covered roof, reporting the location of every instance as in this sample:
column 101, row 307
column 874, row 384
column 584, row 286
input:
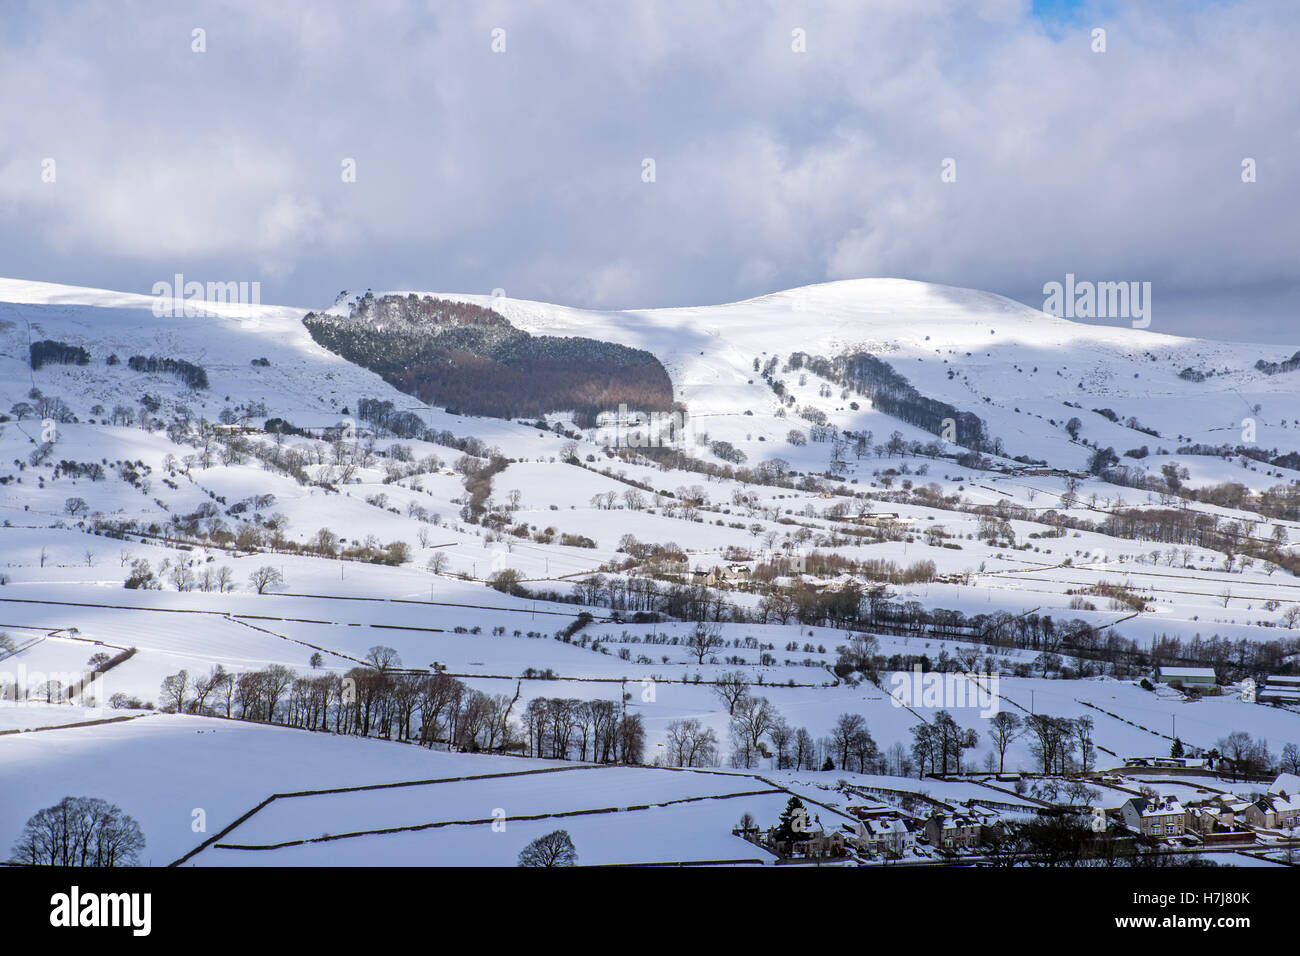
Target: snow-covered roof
column 1187, row 673
column 885, row 826
column 1285, row 783
column 1156, row 806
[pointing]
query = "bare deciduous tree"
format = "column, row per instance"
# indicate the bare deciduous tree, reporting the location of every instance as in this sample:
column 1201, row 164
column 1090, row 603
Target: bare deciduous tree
column 265, row 578
column 703, row 640
column 730, row 687
column 553, row 849
column 80, row 831
column 691, row 744
column 1004, row 727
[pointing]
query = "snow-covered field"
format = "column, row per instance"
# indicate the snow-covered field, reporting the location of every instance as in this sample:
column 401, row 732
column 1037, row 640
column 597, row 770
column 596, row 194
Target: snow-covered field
column 185, row 498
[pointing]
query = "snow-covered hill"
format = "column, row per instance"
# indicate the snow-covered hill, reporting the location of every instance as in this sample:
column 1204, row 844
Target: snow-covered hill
column 1011, row 365
column 397, row 540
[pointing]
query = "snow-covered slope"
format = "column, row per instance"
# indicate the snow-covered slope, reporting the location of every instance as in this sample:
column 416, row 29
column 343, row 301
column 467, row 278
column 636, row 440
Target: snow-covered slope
column 1012, row 365
column 173, row 494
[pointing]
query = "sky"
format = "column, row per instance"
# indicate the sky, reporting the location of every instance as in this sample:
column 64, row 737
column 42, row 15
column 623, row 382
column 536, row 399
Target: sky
column 510, row 145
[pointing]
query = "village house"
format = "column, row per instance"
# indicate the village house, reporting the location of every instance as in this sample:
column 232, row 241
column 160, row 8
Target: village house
column 883, row 519
column 1274, row 812
column 883, row 829
column 1206, row 816
column 955, row 831
column 1154, row 816
column 1237, row 805
column 818, row 844
column 1221, row 813
column 724, row 574
column 737, row 572
column 1175, row 763
column 1279, row 809
column 823, row 844
column 235, row 429
column 892, row 837
column 960, row 578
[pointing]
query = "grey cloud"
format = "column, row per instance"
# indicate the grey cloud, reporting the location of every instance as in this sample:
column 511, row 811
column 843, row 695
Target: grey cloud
column 774, row 168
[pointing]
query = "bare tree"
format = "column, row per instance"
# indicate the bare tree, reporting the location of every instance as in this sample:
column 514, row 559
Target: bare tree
column 173, row 692
column 703, row 640
column 383, row 659
column 553, row 849
column 752, row 720
column 782, row 736
column 265, row 578
column 225, row 579
column 205, row 687
column 691, row 744
column 805, row 750
column 859, row 655
column 1004, row 728
column 730, row 688
column 1083, row 736
column 1246, row 755
column 843, row 734
column 1290, row 760
column 80, row 831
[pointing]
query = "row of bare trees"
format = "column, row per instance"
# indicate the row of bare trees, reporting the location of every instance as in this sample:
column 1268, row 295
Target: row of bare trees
column 433, row 709
column 597, row 730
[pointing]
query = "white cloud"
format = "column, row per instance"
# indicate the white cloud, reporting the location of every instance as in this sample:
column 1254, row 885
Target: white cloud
column 775, row 168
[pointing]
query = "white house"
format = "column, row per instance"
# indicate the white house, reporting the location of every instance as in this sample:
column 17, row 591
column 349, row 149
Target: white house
column 890, row 832
column 954, row 831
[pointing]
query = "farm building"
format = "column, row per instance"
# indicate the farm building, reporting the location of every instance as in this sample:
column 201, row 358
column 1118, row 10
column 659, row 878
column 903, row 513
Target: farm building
column 1279, row 689
column 1188, row 676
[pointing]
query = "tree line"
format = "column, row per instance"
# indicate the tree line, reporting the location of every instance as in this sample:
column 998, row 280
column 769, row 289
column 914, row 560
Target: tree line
column 195, row 376
column 380, row 699
column 49, row 351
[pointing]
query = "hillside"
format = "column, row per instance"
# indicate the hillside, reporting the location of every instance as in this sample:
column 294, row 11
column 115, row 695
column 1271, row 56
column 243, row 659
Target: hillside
column 563, row 582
